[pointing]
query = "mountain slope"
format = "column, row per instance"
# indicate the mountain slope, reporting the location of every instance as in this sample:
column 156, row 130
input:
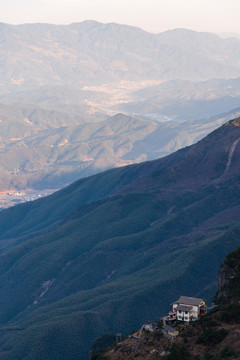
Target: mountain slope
column 54, row 156
column 215, row 336
column 184, row 100
column 112, row 251
column 49, row 149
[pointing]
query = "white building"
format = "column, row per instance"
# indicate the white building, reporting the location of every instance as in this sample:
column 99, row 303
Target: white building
column 187, row 309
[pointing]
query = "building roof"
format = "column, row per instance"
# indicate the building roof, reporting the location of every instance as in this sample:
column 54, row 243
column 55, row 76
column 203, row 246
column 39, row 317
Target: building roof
column 169, row 328
column 187, row 308
column 188, row 301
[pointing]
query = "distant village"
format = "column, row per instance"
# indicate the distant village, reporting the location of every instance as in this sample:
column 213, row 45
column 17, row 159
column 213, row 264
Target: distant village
column 15, row 197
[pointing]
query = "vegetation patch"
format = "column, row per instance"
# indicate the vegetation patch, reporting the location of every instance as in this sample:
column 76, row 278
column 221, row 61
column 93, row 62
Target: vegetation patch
column 179, row 353
column 212, row 336
column 226, row 353
column 231, row 313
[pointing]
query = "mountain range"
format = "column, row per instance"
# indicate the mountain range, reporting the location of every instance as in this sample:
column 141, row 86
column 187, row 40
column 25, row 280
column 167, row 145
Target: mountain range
column 80, row 54
column 111, row 251
column 49, row 149
column 82, row 98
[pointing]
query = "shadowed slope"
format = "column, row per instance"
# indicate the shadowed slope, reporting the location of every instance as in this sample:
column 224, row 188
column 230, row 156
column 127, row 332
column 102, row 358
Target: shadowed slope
column 113, row 250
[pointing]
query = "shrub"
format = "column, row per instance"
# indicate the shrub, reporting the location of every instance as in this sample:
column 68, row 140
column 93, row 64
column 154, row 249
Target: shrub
column 227, row 353
column 231, row 314
column 211, row 336
column 208, row 356
column 179, row 353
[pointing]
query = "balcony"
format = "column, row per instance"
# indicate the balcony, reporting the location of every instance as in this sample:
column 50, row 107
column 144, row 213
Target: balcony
column 172, row 315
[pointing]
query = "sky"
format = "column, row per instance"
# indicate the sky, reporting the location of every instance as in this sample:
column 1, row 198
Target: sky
column 155, row 16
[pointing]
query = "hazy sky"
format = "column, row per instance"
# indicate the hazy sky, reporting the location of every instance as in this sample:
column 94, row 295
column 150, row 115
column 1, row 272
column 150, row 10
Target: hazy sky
column 151, row 15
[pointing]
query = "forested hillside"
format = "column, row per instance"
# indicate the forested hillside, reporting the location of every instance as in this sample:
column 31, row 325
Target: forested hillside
column 112, row 251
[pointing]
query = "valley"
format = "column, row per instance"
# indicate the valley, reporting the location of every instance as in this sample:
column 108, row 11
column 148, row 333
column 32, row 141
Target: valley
column 15, row 197
column 115, row 94
column 48, row 149
column 83, row 98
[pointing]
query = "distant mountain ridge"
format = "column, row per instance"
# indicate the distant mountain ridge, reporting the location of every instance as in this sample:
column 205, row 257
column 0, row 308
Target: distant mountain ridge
column 44, row 149
column 56, row 78
column 93, row 53
column 112, row 250
column 184, row 100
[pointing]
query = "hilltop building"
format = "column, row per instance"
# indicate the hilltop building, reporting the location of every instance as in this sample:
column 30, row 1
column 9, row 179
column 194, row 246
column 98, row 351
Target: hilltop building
column 187, row 309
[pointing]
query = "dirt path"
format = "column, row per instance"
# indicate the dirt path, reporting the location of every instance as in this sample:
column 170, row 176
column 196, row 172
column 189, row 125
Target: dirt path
column 233, row 147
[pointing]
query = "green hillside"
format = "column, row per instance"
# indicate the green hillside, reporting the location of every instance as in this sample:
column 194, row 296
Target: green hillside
column 112, row 251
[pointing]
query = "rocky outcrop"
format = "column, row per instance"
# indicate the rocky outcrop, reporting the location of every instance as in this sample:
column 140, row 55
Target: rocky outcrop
column 226, row 274
column 229, row 279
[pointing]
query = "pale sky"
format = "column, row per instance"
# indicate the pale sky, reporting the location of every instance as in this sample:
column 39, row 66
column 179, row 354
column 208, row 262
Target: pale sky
column 151, row 15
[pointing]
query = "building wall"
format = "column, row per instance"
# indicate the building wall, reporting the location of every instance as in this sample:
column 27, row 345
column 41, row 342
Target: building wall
column 186, row 315
column 195, row 311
